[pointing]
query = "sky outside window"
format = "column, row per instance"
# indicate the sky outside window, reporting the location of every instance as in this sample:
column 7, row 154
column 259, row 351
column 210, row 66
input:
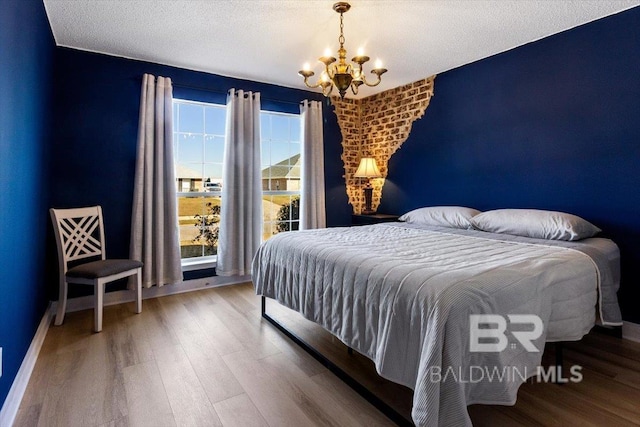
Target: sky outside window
column 200, row 132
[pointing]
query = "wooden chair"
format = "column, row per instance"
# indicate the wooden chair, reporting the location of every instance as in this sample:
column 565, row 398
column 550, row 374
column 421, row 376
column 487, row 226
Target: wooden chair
column 79, row 235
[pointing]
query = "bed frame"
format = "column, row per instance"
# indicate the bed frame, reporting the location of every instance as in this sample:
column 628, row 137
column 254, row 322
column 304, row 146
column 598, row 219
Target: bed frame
column 381, row 405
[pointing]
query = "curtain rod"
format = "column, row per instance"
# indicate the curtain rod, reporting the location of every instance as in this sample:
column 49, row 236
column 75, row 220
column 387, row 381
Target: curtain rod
column 226, row 93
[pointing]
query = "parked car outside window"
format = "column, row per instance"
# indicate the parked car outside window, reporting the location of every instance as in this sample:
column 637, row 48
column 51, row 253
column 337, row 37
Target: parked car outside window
column 212, row 186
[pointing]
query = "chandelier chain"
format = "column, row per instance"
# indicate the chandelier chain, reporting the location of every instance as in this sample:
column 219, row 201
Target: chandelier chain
column 341, row 38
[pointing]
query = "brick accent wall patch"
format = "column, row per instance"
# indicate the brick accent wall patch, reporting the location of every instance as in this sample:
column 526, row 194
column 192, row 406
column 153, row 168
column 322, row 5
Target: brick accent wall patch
column 377, row 126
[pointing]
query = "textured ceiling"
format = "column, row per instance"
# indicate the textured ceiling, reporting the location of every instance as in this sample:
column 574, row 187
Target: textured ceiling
column 269, row 40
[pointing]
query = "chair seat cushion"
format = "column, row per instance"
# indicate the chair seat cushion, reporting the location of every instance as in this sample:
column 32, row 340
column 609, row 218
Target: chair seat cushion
column 102, row 268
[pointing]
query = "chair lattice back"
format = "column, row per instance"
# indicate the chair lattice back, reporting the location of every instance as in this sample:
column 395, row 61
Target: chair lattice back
column 79, row 233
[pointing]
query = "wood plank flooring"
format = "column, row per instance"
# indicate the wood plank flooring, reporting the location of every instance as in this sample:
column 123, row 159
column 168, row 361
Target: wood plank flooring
column 206, row 358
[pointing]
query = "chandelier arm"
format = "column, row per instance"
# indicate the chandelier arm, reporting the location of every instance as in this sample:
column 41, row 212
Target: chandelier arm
column 313, row 86
column 330, row 72
column 364, row 80
column 306, row 75
column 324, row 90
column 378, row 72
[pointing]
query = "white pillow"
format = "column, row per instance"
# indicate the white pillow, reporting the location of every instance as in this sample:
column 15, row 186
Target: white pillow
column 443, row 216
column 535, row 223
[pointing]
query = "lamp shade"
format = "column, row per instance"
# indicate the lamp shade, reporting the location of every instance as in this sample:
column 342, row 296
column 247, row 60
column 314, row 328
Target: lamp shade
column 368, row 168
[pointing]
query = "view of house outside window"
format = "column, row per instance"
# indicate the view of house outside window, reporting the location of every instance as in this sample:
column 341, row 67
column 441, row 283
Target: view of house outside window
column 280, row 146
column 199, row 137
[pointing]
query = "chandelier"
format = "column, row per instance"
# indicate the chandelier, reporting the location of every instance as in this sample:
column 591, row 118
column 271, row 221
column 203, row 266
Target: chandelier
column 342, row 75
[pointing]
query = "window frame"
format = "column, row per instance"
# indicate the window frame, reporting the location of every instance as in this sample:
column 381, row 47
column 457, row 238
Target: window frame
column 210, row 261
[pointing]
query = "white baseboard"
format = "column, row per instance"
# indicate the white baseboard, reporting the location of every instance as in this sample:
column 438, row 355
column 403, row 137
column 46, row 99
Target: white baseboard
column 631, row 331
column 14, row 398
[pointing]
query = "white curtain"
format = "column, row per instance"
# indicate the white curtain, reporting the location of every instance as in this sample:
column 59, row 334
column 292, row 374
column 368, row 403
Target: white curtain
column 154, row 220
column 312, row 204
column 241, row 210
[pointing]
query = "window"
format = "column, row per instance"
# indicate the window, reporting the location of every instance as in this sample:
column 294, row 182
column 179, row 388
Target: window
column 280, row 149
column 199, row 135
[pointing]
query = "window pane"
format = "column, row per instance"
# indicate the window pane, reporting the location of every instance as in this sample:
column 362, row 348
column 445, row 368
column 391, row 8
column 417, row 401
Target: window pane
column 279, row 152
column 279, row 127
column 188, row 207
column 190, row 147
column 213, row 172
column 199, row 218
column 191, row 118
column 213, row 148
column 295, row 129
column 215, row 120
column 294, row 149
column 188, row 177
column 266, row 230
column 294, row 174
column 265, row 152
column 265, row 126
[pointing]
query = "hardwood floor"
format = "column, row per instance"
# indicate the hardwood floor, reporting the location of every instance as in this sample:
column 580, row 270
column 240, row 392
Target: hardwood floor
column 206, row 358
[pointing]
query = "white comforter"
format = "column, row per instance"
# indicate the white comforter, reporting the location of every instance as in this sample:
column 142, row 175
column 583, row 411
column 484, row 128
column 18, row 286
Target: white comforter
column 403, row 295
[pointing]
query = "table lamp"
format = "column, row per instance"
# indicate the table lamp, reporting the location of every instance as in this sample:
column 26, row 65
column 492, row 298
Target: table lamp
column 368, row 169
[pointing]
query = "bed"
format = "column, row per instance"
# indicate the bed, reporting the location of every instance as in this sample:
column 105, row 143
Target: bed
column 403, row 294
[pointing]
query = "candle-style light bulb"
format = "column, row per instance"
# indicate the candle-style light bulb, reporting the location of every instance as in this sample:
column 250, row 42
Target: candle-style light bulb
column 361, row 51
column 327, row 52
column 306, row 67
column 378, row 64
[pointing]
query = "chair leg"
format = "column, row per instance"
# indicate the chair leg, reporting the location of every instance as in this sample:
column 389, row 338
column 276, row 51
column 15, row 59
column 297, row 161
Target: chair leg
column 139, row 291
column 98, row 295
column 62, row 302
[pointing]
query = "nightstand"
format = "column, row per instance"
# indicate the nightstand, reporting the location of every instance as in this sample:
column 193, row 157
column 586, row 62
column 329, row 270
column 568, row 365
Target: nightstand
column 372, row 219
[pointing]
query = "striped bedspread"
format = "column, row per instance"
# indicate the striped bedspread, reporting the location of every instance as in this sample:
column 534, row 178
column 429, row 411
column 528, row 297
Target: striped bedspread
column 403, row 296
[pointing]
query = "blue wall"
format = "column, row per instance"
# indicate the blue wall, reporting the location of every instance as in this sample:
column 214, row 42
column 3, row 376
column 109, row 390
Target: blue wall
column 26, row 48
column 554, row 124
column 97, row 101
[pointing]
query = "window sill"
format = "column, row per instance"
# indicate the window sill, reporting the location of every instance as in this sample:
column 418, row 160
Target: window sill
column 199, row 263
